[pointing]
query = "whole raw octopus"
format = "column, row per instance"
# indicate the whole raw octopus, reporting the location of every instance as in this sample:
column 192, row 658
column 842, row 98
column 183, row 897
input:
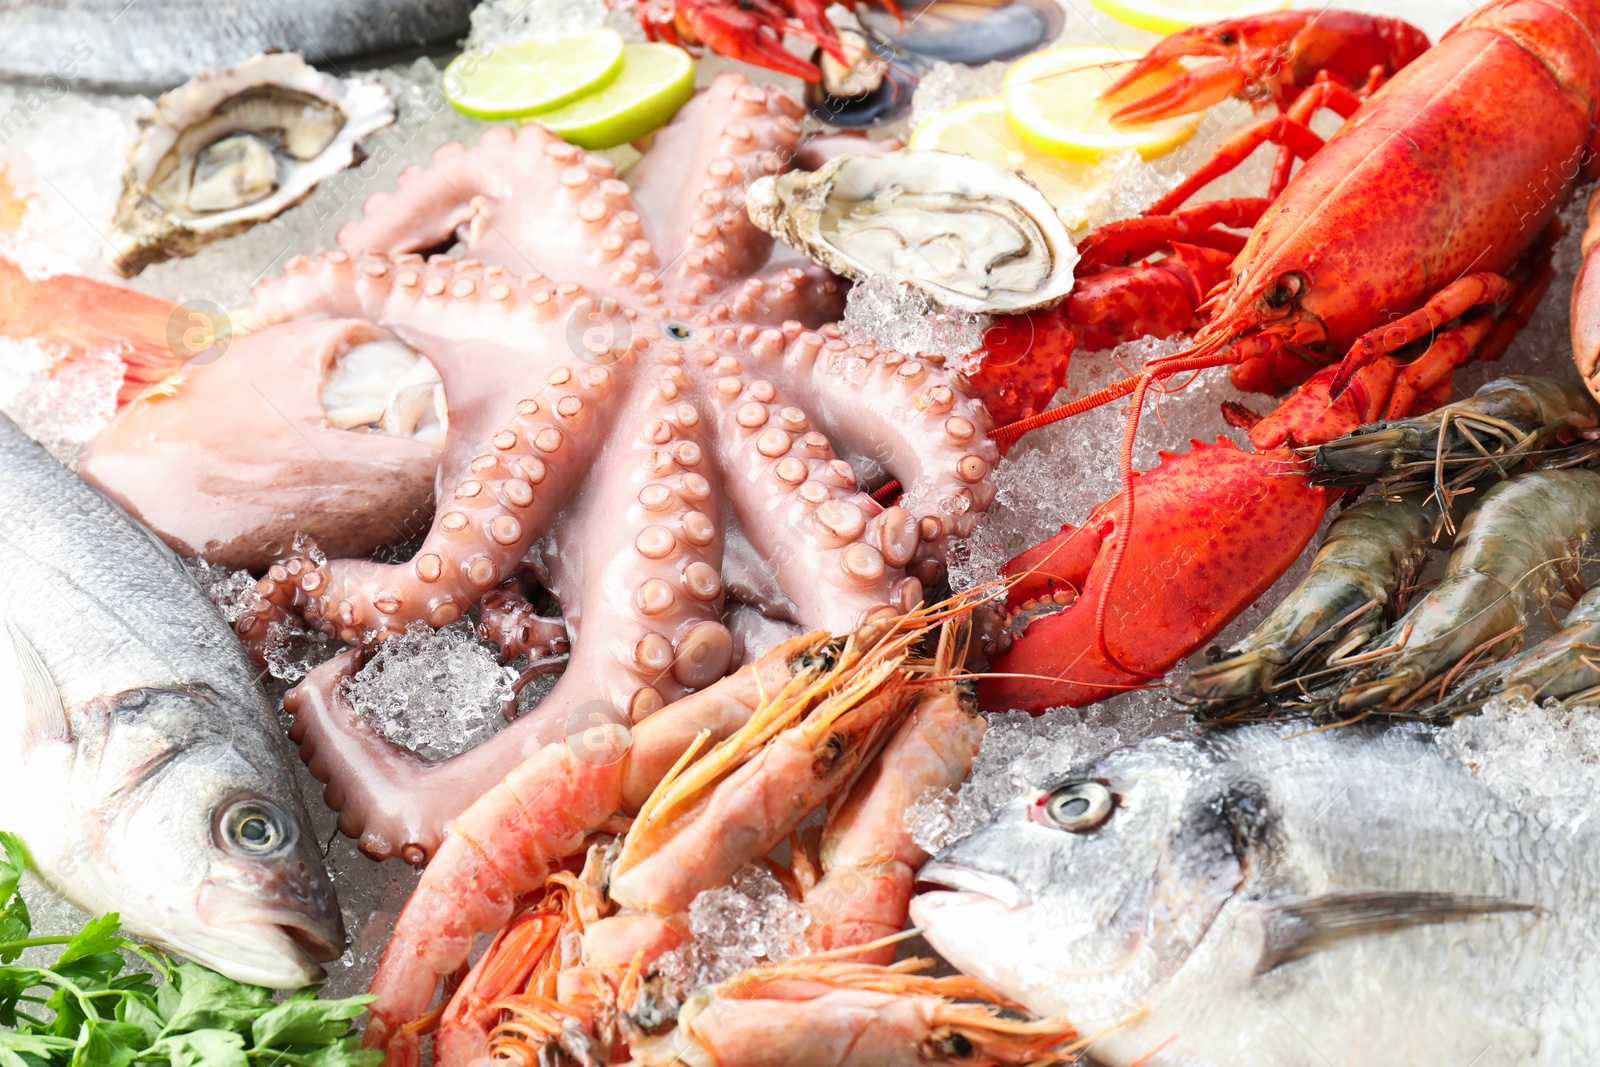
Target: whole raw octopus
column 649, row 419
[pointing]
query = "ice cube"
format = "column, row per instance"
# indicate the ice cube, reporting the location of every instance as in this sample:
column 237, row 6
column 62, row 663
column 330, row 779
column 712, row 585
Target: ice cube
column 231, row 591
column 1540, row 759
column 748, row 922
column 59, row 399
column 435, row 692
column 888, row 313
column 948, row 84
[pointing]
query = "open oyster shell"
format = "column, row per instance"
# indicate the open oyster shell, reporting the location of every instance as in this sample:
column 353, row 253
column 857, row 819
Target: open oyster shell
column 235, row 147
column 973, row 236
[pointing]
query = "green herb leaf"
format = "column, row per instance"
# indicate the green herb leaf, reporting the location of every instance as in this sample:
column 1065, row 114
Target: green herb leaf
column 346, row 1053
column 202, row 1048
column 105, row 1044
column 12, row 861
column 84, row 1011
column 15, row 923
column 305, row 1020
column 97, row 936
column 136, row 1011
column 207, row 1000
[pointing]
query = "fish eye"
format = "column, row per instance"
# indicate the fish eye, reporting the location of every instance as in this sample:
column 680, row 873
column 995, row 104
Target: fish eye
column 256, row 828
column 1079, row 807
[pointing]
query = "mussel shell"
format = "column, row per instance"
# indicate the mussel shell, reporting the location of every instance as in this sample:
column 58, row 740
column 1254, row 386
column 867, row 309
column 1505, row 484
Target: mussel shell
column 967, row 31
column 890, row 101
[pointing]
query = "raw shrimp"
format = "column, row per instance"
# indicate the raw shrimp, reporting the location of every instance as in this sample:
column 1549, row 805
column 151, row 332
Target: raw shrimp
column 810, row 1014
column 1564, row 667
column 1370, row 551
column 1511, row 548
column 1496, row 427
column 860, row 721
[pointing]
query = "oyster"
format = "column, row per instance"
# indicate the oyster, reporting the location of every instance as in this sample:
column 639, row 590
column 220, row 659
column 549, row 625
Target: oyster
column 235, row 147
column 974, row 236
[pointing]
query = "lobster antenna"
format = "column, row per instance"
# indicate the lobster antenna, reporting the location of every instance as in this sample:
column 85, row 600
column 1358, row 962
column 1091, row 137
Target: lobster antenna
column 1198, row 357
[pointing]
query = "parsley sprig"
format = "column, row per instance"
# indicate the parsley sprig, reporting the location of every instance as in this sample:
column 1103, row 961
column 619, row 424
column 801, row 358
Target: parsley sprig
column 83, row 1011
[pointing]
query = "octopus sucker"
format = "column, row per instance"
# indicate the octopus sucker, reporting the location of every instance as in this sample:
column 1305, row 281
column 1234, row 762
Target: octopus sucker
column 648, row 419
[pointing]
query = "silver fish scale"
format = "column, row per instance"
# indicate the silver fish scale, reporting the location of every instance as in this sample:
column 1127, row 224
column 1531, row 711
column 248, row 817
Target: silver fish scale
column 1346, row 811
column 171, row 740
column 73, row 561
column 149, row 45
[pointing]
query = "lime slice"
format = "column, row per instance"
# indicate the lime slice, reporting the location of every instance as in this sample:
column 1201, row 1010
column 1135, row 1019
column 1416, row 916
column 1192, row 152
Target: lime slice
column 1053, row 100
column 1170, row 16
column 656, row 80
column 509, row 81
column 978, row 128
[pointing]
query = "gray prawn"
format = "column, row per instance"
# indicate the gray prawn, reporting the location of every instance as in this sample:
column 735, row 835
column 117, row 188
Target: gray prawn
column 1563, row 667
column 1492, row 432
column 1370, row 551
column 1513, row 549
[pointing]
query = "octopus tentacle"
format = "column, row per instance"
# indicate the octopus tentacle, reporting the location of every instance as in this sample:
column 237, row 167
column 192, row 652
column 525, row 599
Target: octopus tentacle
column 507, row 499
column 701, row 224
column 393, row 802
column 507, row 619
column 809, row 294
column 921, row 428
column 584, row 225
column 801, row 510
column 651, row 554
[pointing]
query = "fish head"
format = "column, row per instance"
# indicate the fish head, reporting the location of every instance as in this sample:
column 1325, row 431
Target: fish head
column 210, row 844
column 1083, row 898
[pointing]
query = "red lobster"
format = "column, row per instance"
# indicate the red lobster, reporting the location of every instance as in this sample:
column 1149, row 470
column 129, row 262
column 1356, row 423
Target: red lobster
column 1415, row 239
column 751, row 31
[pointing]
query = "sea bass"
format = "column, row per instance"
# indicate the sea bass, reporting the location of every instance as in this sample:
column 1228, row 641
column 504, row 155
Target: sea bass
column 1267, row 895
column 149, row 46
column 140, row 762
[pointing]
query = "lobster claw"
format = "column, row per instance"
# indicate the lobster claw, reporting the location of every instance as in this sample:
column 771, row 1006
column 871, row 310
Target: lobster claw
column 1245, row 49
column 1213, row 528
column 1269, row 57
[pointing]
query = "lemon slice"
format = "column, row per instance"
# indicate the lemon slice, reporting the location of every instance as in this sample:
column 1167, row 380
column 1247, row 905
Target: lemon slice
column 1170, row 16
column 509, row 81
column 656, row 80
column 1053, row 100
column 978, row 128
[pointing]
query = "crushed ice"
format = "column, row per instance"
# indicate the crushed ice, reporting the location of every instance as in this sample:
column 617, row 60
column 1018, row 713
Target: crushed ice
column 59, row 401
column 1019, row 752
column 435, row 692
column 499, row 21
column 744, row 924
column 1540, row 759
column 888, row 313
column 230, row 590
column 948, row 84
column 1127, row 185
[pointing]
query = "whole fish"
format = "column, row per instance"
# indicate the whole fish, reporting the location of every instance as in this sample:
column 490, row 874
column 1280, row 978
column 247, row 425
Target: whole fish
column 140, row 762
column 151, row 45
column 1268, row 896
